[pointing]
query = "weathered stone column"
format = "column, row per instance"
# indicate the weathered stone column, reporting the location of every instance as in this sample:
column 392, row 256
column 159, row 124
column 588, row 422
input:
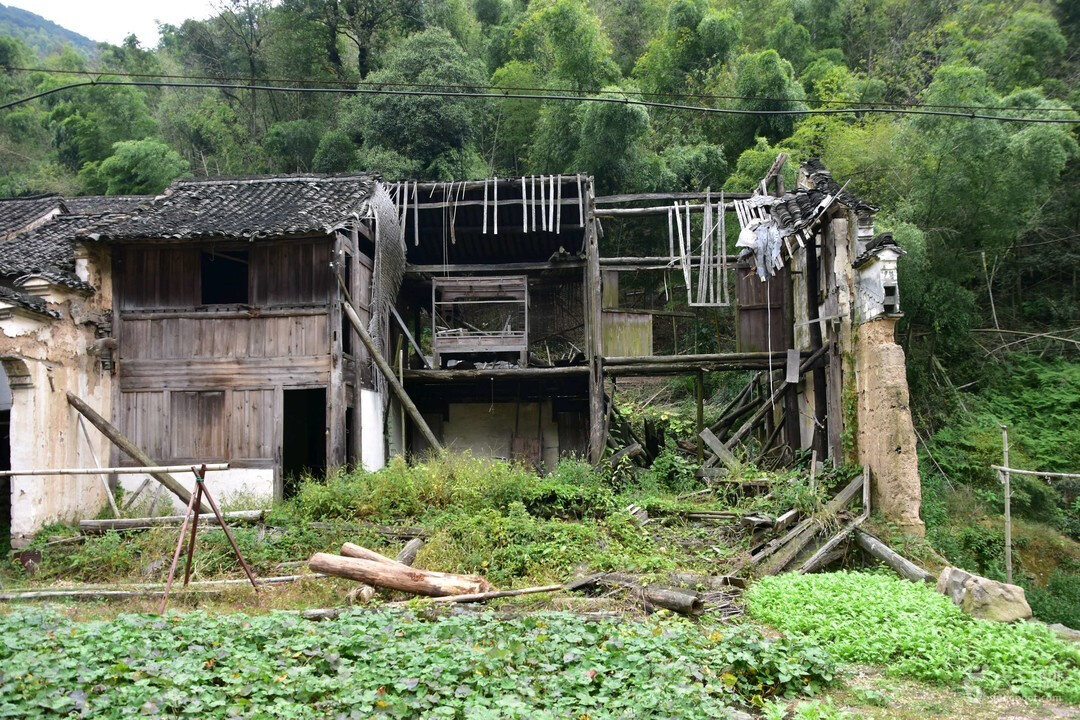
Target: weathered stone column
column 886, row 433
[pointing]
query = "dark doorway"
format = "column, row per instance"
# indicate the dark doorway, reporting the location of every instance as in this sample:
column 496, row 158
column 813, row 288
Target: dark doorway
column 303, row 436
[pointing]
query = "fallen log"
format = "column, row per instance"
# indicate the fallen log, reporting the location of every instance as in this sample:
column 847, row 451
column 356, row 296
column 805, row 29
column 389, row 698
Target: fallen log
column 397, row 576
column 481, row 597
column 680, row 601
column 818, row 559
column 904, row 567
column 364, row 593
column 391, row 532
column 121, row 524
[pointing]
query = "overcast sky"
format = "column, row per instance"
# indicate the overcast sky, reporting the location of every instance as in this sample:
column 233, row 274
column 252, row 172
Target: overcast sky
column 112, row 20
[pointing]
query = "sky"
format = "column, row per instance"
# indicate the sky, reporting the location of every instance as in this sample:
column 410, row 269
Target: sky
column 112, row 20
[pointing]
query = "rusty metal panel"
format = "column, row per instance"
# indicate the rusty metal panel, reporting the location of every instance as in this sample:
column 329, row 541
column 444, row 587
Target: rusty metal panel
column 627, row 333
column 762, row 308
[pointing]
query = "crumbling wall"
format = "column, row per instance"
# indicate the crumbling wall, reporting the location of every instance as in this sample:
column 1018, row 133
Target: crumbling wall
column 45, row 430
column 886, row 433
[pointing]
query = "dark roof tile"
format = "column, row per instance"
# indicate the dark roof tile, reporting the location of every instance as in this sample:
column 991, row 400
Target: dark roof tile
column 246, row 208
column 18, row 213
column 27, row 302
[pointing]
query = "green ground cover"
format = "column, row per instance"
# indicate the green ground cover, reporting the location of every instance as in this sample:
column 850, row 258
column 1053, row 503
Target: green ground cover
column 392, row 665
column 913, row 631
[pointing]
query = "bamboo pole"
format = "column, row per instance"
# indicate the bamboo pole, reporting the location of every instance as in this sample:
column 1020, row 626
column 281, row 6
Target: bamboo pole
column 1005, row 478
column 113, row 470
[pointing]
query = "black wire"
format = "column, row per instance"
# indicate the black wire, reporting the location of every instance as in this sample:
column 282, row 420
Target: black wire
column 516, row 88
column 545, row 97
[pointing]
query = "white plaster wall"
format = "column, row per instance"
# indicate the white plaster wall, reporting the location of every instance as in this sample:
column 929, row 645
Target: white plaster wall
column 251, row 487
column 372, row 440
column 486, row 430
column 45, row 430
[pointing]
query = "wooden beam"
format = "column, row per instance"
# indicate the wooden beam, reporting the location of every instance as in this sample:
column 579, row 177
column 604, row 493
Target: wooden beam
column 461, row 268
column 526, row 373
column 129, row 448
column 725, row 456
column 391, row 378
column 647, row 211
column 665, row 197
column 593, row 322
column 700, row 358
column 408, row 335
column 101, row 526
column 652, row 262
column 904, row 567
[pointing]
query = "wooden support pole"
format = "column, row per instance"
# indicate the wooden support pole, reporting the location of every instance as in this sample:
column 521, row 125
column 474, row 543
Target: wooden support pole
column 820, row 442
column 593, row 305
column 699, row 397
column 1005, row 479
column 391, row 378
column 129, row 448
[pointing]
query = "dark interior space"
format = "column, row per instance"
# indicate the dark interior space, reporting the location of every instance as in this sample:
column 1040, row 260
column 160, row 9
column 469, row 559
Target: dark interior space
column 224, row 277
column 303, row 436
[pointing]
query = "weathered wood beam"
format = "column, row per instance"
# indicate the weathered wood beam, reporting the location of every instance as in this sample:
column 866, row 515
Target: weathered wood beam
column 101, row 526
column 652, row 262
column 461, row 268
column 131, row 449
column 665, row 197
column 593, row 327
column 648, row 211
column 397, row 576
column 904, row 567
column 391, row 378
column 526, row 373
column 700, row 358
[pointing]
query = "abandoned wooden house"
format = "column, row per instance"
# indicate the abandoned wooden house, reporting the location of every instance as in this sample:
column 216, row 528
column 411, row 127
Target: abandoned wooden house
column 297, row 323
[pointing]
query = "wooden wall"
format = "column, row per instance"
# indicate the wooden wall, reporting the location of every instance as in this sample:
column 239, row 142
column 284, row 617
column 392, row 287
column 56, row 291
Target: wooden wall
column 206, row 382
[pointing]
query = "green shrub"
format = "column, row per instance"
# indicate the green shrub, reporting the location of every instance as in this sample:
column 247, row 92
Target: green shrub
column 914, row 631
column 1059, row 601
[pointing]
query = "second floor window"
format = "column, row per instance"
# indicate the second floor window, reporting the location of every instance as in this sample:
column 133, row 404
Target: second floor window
column 224, row 277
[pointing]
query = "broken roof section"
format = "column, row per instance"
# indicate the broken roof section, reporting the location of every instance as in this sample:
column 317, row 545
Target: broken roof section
column 247, row 208
column 10, row 298
column 17, row 214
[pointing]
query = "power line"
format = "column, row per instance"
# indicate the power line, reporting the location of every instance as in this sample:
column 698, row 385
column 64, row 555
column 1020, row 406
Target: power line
column 545, row 97
column 511, row 89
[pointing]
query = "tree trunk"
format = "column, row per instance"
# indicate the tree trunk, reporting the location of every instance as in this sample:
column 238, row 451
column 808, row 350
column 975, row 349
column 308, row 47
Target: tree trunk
column 396, row 576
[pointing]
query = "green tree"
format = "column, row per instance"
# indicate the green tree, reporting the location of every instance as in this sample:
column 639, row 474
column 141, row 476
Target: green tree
column 420, row 127
column 564, row 39
column 792, row 41
column 767, row 80
column 136, row 167
column 336, row 153
column 1022, row 53
column 693, row 40
column 291, row 145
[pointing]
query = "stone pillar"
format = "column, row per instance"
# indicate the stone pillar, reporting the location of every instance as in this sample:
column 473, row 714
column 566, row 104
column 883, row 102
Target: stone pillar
column 886, row 434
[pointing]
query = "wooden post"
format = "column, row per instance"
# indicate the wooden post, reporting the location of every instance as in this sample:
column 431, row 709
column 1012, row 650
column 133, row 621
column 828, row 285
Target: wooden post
column 812, row 313
column 1008, row 503
column 335, row 392
column 391, row 378
column 699, row 396
column 593, row 303
column 129, row 448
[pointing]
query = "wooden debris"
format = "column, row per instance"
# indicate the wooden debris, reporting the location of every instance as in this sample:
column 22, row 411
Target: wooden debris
column 143, row 590
column 492, row 595
column 121, row 524
column 398, row 576
column 818, row 559
column 904, row 567
column 680, row 601
column 365, row 593
column 725, row 455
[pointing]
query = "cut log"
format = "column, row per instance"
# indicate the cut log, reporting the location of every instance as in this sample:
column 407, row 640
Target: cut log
column 364, row 593
column 358, row 551
column 408, row 553
column 396, row 576
column 904, row 567
column 120, row 524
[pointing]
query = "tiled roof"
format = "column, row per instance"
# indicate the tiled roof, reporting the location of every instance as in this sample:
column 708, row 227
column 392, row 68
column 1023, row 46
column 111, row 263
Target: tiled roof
column 797, row 209
column 822, row 180
column 47, row 250
column 17, row 213
column 247, row 208
column 104, row 204
column 25, row 301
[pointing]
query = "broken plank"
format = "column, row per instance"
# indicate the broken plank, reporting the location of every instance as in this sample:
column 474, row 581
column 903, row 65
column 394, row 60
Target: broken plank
column 120, row 524
column 817, row 559
column 904, row 567
column 725, row 455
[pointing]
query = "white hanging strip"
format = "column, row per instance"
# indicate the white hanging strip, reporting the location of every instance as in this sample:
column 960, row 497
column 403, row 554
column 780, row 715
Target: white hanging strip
column 403, row 212
column 524, row 208
column 703, row 268
column 495, row 204
column 580, row 202
column 533, row 209
column 683, row 261
column 416, row 212
column 670, row 237
column 543, row 206
column 551, row 205
column 558, row 210
column 452, row 202
column 722, row 209
column 484, row 230
column 667, row 293
column 710, row 281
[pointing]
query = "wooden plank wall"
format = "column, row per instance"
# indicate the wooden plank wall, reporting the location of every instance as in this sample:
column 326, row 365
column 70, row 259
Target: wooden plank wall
column 205, row 383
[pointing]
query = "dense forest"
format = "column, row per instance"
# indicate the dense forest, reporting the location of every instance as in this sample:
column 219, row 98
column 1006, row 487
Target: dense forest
column 987, row 210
